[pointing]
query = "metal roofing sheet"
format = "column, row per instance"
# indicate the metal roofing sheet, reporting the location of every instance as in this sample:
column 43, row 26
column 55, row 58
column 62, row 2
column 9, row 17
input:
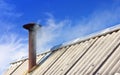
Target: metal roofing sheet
column 23, row 68
column 49, row 62
column 13, row 67
column 98, row 55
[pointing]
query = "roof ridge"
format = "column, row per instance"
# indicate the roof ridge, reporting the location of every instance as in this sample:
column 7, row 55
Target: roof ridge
column 93, row 35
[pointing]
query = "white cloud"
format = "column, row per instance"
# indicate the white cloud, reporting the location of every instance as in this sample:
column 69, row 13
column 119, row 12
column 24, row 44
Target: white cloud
column 11, row 48
column 7, row 10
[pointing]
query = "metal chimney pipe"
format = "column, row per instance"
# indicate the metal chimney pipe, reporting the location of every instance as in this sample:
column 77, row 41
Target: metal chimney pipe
column 32, row 28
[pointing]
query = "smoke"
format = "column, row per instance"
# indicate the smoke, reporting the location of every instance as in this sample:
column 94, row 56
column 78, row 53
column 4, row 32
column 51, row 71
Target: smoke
column 56, row 32
column 49, row 34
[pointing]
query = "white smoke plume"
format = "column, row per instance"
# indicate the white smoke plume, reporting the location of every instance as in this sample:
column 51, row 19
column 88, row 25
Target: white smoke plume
column 56, row 32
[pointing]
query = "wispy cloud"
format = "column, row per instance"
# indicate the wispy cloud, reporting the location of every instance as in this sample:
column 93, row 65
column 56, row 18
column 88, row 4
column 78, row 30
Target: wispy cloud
column 11, row 48
column 11, row 45
column 7, row 16
column 7, row 10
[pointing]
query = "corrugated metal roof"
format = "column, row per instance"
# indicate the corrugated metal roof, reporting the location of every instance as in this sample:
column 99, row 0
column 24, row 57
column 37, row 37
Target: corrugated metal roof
column 96, row 55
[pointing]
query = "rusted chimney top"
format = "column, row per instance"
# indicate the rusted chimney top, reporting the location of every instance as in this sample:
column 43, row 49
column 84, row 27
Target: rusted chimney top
column 32, row 28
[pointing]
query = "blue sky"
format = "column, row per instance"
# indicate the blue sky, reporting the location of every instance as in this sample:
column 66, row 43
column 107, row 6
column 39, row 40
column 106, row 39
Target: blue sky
column 62, row 20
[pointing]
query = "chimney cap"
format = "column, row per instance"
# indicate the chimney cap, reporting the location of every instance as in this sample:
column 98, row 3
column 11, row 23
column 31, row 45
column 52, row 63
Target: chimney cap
column 31, row 26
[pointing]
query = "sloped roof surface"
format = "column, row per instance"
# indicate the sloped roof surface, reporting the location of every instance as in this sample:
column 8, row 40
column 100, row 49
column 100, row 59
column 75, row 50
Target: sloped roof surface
column 97, row 55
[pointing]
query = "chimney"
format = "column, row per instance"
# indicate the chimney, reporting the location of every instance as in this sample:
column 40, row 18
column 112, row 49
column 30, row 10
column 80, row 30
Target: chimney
column 32, row 28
